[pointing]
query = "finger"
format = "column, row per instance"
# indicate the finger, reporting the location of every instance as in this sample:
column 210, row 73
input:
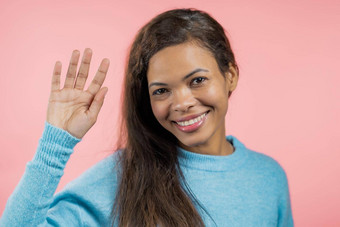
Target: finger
column 98, row 80
column 97, row 103
column 55, row 86
column 83, row 69
column 72, row 69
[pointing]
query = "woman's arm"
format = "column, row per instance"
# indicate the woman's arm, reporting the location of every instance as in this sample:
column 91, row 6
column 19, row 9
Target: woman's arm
column 285, row 211
column 31, row 199
column 71, row 113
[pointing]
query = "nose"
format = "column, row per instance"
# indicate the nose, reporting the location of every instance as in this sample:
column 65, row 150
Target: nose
column 182, row 100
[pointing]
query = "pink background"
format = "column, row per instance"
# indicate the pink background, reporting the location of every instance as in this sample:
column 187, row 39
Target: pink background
column 287, row 104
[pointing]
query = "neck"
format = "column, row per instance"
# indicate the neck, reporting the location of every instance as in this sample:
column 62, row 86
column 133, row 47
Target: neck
column 220, row 147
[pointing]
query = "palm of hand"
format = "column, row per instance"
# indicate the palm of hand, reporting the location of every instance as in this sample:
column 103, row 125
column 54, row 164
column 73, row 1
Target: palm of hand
column 72, row 108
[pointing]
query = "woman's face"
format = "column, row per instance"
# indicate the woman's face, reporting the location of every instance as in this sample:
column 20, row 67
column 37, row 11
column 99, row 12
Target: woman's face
column 188, row 93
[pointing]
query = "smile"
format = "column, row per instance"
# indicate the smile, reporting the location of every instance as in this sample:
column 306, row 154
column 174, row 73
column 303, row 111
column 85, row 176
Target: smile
column 192, row 124
column 191, row 121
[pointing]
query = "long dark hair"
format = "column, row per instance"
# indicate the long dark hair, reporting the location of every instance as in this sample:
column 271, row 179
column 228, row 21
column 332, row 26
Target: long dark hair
column 152, row 190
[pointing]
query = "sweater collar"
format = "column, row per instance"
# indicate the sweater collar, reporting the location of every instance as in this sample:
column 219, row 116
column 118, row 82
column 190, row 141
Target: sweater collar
column 212, row 162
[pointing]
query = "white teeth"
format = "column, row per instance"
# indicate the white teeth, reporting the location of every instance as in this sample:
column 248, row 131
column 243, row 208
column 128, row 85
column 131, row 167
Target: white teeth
column 192, row 121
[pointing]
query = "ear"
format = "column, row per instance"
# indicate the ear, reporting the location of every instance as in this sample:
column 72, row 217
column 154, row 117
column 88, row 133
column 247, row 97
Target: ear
column 232, row 77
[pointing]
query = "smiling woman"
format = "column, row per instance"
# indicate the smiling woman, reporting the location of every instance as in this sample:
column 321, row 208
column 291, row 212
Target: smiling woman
column 176, row 166
column 192, row 107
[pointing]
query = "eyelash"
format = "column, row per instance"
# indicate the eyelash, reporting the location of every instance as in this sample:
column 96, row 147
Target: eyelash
column 158, row 90
column 196, row 78
column 161, row 91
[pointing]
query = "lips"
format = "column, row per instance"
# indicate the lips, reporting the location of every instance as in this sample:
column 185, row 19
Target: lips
column 191, row 123
column 188, row 118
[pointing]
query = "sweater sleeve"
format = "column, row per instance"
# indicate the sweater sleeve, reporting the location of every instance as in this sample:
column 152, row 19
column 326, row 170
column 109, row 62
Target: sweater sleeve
column 285, row 217
column 29, row 203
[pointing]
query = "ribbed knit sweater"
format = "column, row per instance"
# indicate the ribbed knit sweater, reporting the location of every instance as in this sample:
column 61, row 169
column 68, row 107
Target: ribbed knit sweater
column 245, row 188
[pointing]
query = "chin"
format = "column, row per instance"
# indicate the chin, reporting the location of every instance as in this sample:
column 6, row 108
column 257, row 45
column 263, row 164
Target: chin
column 191, row 142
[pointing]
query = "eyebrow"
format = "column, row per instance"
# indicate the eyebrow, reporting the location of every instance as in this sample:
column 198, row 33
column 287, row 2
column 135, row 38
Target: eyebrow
column 184, row 78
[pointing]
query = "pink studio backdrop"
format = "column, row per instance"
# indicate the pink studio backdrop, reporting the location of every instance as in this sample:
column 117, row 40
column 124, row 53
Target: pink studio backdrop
column 287, row 104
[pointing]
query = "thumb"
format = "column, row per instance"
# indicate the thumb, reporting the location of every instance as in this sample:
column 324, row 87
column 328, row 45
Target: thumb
column 97, row 102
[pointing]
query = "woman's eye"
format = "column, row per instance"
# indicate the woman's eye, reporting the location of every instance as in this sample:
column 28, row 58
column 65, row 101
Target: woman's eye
column 197, row 80
column 159, row 91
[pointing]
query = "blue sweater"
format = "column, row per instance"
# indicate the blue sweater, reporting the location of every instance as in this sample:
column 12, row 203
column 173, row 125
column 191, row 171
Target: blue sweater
column 245, row 188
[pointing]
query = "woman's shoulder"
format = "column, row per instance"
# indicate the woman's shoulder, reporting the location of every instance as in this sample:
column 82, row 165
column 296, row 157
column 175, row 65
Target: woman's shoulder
column 92, row 193
column 100, row 174
column 95, row 184
column 266, row 167
column 257, row 161
column 265, row 161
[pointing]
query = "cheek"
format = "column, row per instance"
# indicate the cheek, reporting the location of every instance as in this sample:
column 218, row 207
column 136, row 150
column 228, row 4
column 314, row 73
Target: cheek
column 160, row 110
column 216, row 97
column 214, row 94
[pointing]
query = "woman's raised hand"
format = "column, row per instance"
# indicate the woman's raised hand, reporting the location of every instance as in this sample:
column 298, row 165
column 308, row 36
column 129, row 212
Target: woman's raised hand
column 71, row 108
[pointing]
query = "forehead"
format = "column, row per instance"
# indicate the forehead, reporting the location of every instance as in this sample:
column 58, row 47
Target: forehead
column 179, row 60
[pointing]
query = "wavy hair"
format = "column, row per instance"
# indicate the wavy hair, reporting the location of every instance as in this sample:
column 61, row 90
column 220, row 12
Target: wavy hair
column 152, row 190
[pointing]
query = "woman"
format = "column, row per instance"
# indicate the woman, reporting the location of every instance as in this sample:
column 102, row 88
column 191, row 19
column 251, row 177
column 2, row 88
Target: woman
column 176, row 166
